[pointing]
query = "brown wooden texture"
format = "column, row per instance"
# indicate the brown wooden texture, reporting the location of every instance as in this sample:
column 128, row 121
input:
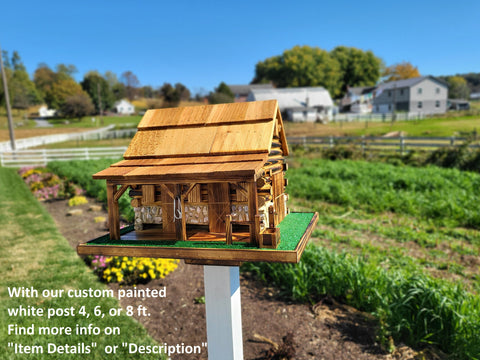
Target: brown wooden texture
column 120, row 192
column 183, row 173
column 148, row 194
column 168, row 221
column 209, row 115
column 113, row 214
column 253, row 210
column 241, row 193
column 278, row 196
column 189, row 160
column 195, row 195
column 281, row 132
column 218, row 206
column 179, row 214
column 213, row 256
column 228, row 226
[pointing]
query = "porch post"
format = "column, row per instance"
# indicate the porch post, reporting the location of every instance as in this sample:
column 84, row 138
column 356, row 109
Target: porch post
column 113, row 214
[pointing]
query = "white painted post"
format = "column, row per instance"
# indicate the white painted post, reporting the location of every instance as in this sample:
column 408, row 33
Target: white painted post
column 224, row 314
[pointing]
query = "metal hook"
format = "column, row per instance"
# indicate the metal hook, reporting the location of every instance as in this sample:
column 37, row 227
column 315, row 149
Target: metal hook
column 177, row 208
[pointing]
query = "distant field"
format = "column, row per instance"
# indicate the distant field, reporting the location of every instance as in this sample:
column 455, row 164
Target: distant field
column 428, row 127
column 441, row 126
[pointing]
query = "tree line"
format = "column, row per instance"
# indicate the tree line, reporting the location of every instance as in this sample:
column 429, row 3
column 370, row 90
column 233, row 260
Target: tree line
column 335, row 70
column 344, row 67
column 95, row 94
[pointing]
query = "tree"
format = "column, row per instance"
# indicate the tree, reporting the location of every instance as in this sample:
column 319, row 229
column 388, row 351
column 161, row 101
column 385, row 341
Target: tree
column 357, row 67
column 77, row 106
column 300, row 66
column 44, row 77
column 130, row 80
column 182, row 91
column 119, row 91
column 171, row 98
column 222, row 94
column 404, row 70
column 22, row 90
column 59, row 92
column 173, row 95
column 56, row 87
column 98, row 90
column 458, row 88
column 147, row 92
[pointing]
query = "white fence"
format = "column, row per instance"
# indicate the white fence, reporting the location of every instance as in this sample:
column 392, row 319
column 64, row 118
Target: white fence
column 41, row 157
column 379, row 143
column 377, row 117
column 27, row 143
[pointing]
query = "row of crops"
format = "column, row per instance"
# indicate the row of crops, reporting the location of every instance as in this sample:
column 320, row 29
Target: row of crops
column 369, row 213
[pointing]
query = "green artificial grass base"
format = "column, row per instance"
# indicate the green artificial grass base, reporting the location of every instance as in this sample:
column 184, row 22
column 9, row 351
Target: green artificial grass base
column 292, row 229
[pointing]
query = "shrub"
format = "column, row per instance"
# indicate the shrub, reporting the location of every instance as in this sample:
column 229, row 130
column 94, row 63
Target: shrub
column 130, row 270
column 77, row 200
column 81, row 171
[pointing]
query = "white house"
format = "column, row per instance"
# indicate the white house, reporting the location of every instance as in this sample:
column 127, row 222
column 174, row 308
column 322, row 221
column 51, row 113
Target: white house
column 124, row 107
column 46, row 112
column 298, row 104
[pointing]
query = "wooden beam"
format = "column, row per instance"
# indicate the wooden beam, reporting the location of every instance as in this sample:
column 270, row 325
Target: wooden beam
column 257, row 229
column 252, row 210
column 167, row 197
column 218, row 206
column 113, row 214
column 179, row 214
column 167, row 191
column 190, row 188
column 228, row 225
column 120, row 191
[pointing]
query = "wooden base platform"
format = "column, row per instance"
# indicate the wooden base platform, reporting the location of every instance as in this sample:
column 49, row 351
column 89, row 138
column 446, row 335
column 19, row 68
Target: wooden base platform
column 207, row 248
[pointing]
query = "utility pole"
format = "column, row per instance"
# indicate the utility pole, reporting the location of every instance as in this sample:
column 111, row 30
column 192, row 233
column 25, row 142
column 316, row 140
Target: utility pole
column 7, row 103
column 394, row 117
column 99, row 103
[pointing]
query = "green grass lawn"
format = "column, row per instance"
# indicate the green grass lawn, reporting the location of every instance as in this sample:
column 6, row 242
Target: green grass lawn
column 34, row 254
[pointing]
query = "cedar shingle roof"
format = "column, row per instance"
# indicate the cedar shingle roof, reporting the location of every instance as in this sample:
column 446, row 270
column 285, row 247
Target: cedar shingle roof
column 208, row 142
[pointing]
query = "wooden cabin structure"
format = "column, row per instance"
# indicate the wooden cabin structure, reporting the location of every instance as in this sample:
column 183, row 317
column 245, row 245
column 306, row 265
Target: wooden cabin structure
column 212, row 172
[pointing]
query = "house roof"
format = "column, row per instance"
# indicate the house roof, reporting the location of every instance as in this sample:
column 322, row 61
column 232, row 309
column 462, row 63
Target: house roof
column 245, row 89
column 294, row 97
column 408, row 83
column 122, row 102
column 361, row 90
column 207, row 143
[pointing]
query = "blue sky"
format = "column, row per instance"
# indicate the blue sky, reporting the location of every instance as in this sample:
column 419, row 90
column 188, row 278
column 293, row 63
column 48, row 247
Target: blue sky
column 201, row 43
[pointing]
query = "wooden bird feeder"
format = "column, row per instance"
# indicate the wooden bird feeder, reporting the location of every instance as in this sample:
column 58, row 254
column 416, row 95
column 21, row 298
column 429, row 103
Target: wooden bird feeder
column 207, row 185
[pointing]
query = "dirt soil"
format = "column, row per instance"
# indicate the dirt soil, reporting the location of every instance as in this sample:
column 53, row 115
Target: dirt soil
column 327, row 330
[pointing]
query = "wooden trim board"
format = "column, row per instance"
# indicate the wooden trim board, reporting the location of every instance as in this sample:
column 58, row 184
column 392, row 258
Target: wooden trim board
column 203, row 254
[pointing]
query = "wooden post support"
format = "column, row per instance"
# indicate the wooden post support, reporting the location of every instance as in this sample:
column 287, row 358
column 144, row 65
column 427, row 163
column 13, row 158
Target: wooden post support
column 252, row 210
column 224, row 314
column 113, row 214
column 179, row 215
column 228, row 225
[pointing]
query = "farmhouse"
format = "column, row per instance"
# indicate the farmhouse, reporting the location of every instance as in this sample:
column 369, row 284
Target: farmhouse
column 358, row 100
column 212, row 172
column 308, row 104
column 425, row 95
column 123, row 107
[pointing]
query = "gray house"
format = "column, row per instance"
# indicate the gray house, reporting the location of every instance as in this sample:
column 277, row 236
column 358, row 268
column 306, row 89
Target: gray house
column 298, row 104
column 241, row 91
column 425, row 95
